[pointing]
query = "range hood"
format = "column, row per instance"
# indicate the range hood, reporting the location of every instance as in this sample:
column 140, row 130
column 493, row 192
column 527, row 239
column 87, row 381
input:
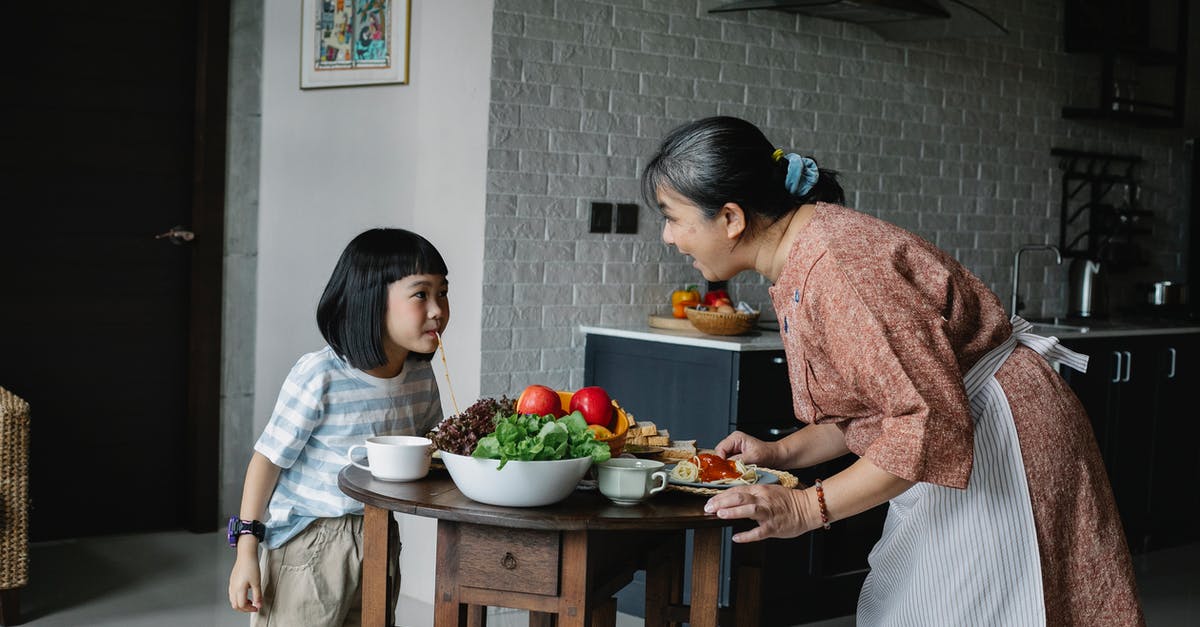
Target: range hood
column 898, row 20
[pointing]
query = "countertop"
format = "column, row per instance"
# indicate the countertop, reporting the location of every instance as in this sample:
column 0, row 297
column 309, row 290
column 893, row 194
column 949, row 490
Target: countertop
column 767, row 339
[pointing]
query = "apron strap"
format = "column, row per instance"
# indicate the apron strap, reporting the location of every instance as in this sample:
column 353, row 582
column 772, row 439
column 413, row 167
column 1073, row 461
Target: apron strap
column 1048, row 347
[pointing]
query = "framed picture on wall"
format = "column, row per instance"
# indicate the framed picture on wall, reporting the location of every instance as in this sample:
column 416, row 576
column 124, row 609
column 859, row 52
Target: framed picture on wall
column 345, row 43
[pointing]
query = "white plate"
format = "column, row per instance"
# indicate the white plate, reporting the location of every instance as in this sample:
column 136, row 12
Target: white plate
column 764, row 478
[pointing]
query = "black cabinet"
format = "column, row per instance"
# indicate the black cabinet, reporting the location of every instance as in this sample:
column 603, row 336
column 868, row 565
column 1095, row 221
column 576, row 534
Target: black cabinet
column 1136, row 395
column 705, row 393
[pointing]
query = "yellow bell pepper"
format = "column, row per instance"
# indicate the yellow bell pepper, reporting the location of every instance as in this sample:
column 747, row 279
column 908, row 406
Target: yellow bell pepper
column 684, row 298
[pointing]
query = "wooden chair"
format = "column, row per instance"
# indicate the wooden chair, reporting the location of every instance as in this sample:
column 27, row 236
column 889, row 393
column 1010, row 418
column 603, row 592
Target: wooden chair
column 14, row 504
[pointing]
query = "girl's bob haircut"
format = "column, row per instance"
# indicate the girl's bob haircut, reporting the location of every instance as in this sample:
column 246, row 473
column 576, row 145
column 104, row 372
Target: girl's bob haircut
column 353, row 307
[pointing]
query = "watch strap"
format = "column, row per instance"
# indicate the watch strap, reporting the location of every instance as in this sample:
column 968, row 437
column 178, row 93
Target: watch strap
column 238, row 528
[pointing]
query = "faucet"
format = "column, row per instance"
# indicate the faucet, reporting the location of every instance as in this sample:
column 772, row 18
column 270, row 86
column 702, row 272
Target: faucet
column 1017, row 269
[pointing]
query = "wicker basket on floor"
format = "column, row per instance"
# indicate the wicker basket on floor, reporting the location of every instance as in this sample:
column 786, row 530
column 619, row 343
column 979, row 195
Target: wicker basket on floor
column 717, row 323
column 14, row 491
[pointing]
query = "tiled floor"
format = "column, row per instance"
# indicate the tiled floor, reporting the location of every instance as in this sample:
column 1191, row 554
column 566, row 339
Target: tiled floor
column 179, row 579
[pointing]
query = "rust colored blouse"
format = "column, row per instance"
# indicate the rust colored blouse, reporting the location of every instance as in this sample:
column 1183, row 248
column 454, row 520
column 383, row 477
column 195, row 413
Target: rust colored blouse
column 880, row 326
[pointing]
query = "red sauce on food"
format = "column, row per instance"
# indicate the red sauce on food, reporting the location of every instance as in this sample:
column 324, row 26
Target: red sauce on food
column 713, row 468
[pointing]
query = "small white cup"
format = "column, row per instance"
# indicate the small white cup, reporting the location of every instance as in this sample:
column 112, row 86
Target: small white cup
column 628, row 481
column 395, row 457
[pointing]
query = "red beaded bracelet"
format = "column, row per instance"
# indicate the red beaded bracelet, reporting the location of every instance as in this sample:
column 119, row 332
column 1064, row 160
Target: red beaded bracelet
column 821, row 504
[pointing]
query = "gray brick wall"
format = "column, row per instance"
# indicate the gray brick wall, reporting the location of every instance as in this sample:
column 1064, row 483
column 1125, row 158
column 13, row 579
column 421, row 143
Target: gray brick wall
column 950, row 139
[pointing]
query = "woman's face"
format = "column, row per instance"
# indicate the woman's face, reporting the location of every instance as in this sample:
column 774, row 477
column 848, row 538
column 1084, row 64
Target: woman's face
column 709, row 242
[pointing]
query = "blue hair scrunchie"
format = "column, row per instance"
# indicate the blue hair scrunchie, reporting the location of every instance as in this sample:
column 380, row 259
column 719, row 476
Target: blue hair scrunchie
column 802, row 174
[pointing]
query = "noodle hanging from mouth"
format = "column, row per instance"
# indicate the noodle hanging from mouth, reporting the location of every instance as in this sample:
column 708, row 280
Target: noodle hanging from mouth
column 449, row 385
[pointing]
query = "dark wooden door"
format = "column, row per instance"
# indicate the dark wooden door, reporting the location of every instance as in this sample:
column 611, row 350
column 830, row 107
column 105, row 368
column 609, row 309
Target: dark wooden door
column 109, row 140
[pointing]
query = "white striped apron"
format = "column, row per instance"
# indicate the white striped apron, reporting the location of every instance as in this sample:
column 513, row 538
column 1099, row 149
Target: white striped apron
column 967, row 557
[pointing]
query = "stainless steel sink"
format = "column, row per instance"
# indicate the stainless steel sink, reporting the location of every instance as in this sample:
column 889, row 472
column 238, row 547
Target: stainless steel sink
column 1055, row 329
column 1051, row 326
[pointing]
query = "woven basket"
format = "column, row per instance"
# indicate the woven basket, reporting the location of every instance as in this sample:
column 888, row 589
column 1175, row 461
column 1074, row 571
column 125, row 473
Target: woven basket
column 14, row 491
column 717, row 323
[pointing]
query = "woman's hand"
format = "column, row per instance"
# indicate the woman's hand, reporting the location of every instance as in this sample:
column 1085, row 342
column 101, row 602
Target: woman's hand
column 245, row 578
column 748, row 449
column 780, row 512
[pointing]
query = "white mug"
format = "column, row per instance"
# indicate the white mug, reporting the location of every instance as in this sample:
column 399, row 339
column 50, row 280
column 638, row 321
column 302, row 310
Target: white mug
column 628, row 481
column 395, row 457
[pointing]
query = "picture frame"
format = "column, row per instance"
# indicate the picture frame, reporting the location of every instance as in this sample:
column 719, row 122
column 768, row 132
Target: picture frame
column 348, row 43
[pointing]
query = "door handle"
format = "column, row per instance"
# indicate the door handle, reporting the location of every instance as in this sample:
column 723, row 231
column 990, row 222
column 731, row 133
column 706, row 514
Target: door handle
column 1117, row 373
column 1171, row 375
column 1128, row 366
column 177, row 235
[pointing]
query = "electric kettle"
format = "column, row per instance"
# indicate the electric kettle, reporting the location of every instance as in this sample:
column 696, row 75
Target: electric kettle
column 1087, row 297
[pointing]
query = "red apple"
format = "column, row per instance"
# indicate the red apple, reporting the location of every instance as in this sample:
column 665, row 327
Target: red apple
column 540, row 400
column 595, row 405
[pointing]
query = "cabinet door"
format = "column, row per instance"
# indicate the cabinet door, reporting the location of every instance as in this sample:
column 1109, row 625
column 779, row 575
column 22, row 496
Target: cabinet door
column 764, row 396
column 1175, row 467
column 1118, row 391
column 684, row 389
column 1131, row 447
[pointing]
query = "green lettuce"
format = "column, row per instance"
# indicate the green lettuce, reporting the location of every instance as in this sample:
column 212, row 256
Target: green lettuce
column 539, row 438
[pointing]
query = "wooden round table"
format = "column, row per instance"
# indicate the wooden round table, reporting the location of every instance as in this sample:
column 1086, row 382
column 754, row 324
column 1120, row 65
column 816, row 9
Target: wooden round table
column 565, row 560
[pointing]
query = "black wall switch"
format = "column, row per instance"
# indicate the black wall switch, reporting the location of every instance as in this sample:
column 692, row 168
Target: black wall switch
column 627, row 218
column 602, row 218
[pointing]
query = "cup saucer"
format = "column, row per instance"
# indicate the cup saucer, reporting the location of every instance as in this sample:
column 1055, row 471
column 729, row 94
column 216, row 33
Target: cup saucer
column 625, row 502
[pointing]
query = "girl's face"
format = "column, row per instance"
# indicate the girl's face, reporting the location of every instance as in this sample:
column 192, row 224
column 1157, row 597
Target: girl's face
column 417, row 310
column 710, row 242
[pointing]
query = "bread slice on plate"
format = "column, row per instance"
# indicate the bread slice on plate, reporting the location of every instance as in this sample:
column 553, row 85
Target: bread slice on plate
column 679, row 450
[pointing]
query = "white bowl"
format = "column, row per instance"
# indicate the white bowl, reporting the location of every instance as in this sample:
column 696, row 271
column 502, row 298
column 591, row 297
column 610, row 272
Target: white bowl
column 518, row 484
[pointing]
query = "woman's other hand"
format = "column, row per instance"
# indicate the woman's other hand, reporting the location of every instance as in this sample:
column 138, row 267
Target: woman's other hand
column 780, row 512
column 748, row 449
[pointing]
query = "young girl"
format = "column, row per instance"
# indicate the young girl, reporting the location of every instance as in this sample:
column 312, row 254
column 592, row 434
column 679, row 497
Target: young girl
column 381, row 314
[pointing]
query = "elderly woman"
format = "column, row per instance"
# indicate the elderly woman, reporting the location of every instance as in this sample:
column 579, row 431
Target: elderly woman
column 1000, row 510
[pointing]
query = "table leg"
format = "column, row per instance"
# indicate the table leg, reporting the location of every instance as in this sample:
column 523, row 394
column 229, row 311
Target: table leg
column 447, row 610
column 748, row 560
column 375, row 610
column 664, row 579
column 573, row 596
column 476, row 616
column 706, row 576
column 541, row 619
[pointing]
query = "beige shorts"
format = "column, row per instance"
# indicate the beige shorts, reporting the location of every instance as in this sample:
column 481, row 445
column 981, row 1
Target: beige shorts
column 315, row 579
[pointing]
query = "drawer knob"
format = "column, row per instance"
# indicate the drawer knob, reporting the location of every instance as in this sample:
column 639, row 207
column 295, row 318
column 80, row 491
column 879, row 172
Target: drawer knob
column 509, row 562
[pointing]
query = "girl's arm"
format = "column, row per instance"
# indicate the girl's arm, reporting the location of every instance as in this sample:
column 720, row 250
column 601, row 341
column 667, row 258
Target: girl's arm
column 261, row 476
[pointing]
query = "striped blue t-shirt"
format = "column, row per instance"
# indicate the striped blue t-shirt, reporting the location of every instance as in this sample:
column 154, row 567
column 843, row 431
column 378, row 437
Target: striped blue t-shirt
column 324, row 408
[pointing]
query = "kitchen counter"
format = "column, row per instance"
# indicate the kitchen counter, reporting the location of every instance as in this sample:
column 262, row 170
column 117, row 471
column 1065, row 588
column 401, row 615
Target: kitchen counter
column 757, row 340
column 767, row 339
column 1112, row 327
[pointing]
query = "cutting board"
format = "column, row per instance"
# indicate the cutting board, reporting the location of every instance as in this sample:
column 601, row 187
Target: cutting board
column 672, row 323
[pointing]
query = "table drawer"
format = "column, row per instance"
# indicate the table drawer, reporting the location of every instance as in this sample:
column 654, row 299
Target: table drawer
column 513, row 560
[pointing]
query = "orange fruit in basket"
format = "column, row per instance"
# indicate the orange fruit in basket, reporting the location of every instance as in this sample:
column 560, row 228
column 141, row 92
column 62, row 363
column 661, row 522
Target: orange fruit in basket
column 600, row 433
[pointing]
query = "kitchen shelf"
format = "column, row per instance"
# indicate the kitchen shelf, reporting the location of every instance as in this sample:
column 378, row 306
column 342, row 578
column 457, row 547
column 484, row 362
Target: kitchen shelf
column 1133, row 118
column 1096, row 223
column 1115, row 33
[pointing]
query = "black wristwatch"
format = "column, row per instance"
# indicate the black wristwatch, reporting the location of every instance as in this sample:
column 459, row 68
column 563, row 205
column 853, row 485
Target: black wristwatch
column 239, row 527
